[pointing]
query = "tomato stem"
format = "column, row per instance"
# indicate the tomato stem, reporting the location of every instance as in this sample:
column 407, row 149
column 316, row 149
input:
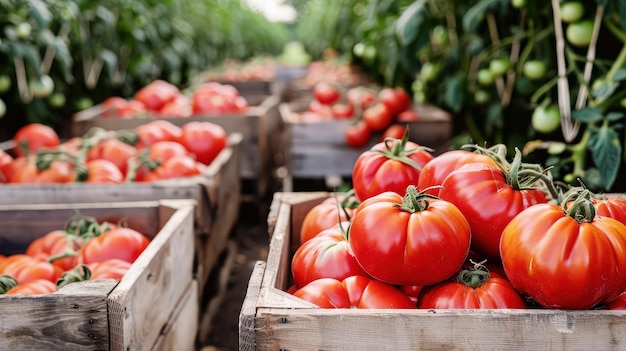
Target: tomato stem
column 475, row 276
column 395, row 150
column 80, row 273
column 581, row 208
column 7, row 282
column 416, row 201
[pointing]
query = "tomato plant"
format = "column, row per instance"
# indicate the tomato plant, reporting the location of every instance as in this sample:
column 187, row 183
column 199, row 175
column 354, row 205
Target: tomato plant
column 547, row 249
column 472, row 288
column 409, row 240
column 391, row 165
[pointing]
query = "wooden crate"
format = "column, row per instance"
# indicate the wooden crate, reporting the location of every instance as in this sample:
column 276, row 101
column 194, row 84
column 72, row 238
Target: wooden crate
column 216, row 193
column 154, row 305
column 272, row 319
column 319, row 150
column 260, row 128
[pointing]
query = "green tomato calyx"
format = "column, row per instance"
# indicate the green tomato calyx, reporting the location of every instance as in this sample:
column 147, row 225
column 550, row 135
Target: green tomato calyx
column 474, row 276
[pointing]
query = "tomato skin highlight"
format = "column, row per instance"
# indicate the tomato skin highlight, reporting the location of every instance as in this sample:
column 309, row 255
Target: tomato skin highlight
column 562, row 263
column 402, row 248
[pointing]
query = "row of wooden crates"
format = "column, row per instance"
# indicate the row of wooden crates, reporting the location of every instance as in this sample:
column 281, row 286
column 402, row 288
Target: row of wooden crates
column 272, row 319
column 159, row 304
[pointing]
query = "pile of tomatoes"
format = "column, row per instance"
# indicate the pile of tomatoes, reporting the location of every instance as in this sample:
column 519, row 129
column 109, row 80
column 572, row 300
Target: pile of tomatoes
column 466, row 229
column 85, row 250
column 153, row 151
column 373, row 113
column 161, row 98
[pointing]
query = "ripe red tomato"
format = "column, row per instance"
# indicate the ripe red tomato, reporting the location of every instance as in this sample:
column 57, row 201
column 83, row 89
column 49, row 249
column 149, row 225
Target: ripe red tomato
column 436, row 171
column 473, row 288
column 25, row 171
column 114, row 151
column 119, row 107
column 342, row 111
column 325, row 293
column 489, row 202
column 408, row 116
column 122, row 243
column 179, row 107
column 396, row 99
column 565, row 258
column 33, row 287
column 25, row 268
column 58, row 247
column 33, row 137
column 327, row 255
column 410, row 240
column 618, row 304
column 611, row 207
column 6, row 167
column 358, row 135
column 103, row 171
column 392, row 165
column 361, row 98
column 178, row 166
column 327, row 214
column 395, row 131
column 325, row 111
column 203, row 139
column 156, row 94
column 113, row 268
column 377, row 117
column 326, row 93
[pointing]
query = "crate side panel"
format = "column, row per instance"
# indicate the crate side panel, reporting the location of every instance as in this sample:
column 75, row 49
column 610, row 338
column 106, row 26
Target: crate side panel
column 180, row 332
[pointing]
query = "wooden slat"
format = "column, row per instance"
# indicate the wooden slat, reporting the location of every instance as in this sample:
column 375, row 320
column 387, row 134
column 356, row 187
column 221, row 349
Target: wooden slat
column 180, row 332
column 247, row 315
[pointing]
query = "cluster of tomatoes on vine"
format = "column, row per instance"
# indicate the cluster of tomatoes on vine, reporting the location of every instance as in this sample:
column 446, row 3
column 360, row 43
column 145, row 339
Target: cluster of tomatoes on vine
column 85, row 249
column 373, row 113
column 464, row 229
column 156, row 150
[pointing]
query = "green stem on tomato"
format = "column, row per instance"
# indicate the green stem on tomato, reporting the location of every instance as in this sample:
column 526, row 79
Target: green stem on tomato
column 474, row 276
column 80, row 273
column 7, row 282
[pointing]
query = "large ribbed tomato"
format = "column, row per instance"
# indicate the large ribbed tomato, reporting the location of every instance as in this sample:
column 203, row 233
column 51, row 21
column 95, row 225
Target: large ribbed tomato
column 565, row 257
column 490, row 197
column 327, row 255
column 410, row 240
column 473, row 288
column 391, row 165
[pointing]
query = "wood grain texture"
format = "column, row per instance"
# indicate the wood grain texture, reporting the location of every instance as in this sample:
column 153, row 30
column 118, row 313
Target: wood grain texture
column 180, row 331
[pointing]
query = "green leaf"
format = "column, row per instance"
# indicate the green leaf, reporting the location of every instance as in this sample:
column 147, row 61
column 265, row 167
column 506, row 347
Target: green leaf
column 476, row 14
column 40, row 12
column 619, row 75
column 455, row 93
column 411, row 22
column 606, row 150
column 604, row 90
column 614, row 116
column 588, row 115
column 494, row 117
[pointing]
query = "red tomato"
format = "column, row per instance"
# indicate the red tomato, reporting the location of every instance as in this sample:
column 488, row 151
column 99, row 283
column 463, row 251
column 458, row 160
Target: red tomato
column 396, row 99
column 55, row 173
column 203, row 139
column 25, row 268
column 408, row 116
column 163, row 150
column 149, row 134
column 119, row 107
column 377, row 117
column 395, row 131
column 172, row 132
column 611, row 207
column 33, row 137
column 488, row 201
column 473, row 288
column 179, row 107
column 342, row 111
column 327, row 255
column 114, row 151
column 175, row 167
column 122, row 243
column 6, row 166
column 157, row 94
column 361, row 98
column 358, row 135
column 410, row 240
column 33, row 287
column 436, row 171
column 325, row 111
column 566, row 259
column 618, row 304
column 412, row 291
column 113, row 268
column 354, row 292
column 103, row 171
column 326, row 215
column 326, row 93
column 58, row 247
column 392, row 165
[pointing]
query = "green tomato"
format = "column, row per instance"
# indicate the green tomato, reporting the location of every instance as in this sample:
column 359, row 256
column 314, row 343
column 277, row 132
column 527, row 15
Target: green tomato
column 556, row 147
column 5, row 83
column 572, row 11
column 439, row 36
column 569, row 178
column 546, row 119
column 83, row 103
column 429, row 71
column 358, row 50
column 622, row 102
column 23, row 30
column 579, row 33
column 499, row 66
column 42, row 87
column 534, row 69
column 485, row 77
column 518, row 4
column 3, row 108
column 481, row 97
column 369, row 53
column 57, row 100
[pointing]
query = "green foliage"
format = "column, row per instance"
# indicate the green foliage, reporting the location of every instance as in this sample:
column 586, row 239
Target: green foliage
column 95, row 49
